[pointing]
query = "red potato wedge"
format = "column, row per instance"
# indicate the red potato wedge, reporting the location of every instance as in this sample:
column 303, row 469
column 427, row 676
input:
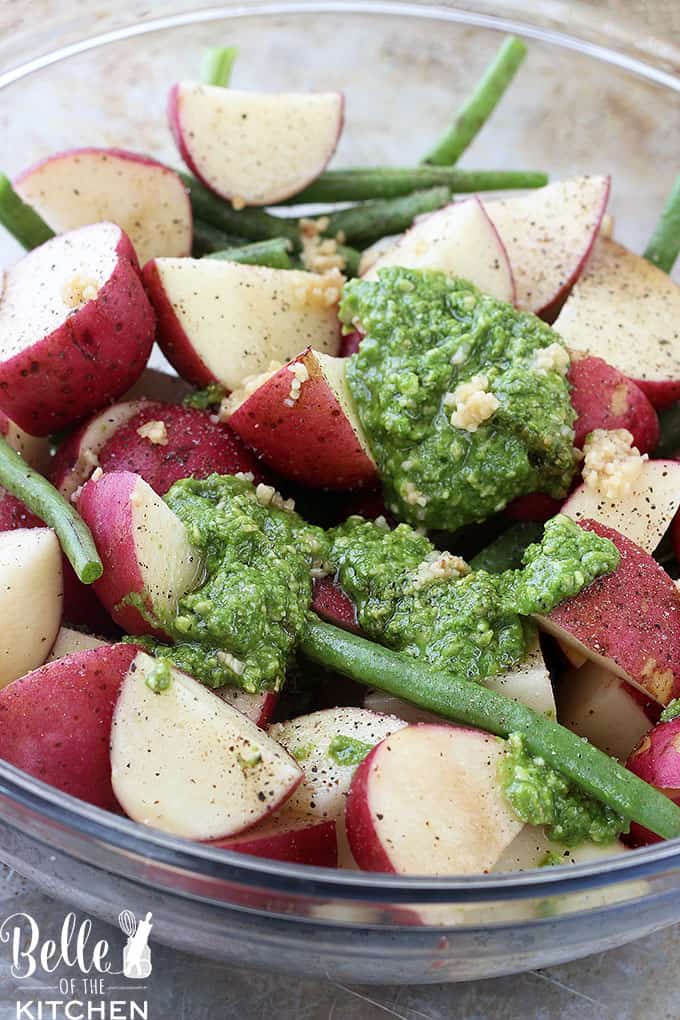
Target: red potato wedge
column 188, row 763
column 55, row 723
column 627, row 621
column 76, row 328
column 302, row 422
column 330, row 603
column 35, row 450
column 144, row 198
column 531, row 847
column 31, row 599
column 349, row 344
column 427, row 800
column 548, row 234
column 287, row 838
column 644, row 515
column 14, row 514
column 626, row 310
column 656, row 759
column 144, row 548
column 69, row 642
column 605, row 709
column 224, row 322
column 536, row 506
column 259, row 708
column 250, row 147
column 604, row 398
column 157, row 384
column 160, row 442
column 460, row 240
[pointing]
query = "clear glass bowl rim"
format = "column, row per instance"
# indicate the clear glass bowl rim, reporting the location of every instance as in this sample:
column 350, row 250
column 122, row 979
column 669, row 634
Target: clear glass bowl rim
column 39, row 799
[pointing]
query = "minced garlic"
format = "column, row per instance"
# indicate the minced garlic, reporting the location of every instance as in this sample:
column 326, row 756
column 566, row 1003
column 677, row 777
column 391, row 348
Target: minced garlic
column 611, row 463
column 553, row 358
column 238, row 396
column 411, row 495
column 439, row 566
column 472, row 404
column 267, row 495
column 155, row 431
column 79, row 290
column 300, row 375
column 319, row 254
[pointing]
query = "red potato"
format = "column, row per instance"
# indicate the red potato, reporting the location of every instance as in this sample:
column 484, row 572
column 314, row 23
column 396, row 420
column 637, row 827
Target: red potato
column 257, row 707
column 143, row 197
column 627, row 621
column 644, row 514
column 160, row 442
column 656, row 759
column 55, row 723
column 604, row 398
column 254, row 148
column 530, row 848
column 188, row 763
column 605, row 709
column 548, row 234
column 287, row 838
column 157, row 384
column 349, row 343
column 35, row 450
column 69, row 641
column 224, row 322
column 626, row 310
column 76, row 328
column 536, row 506
column 460, row 240
column 427, row 800
column 31, row 599
column 330, row 603
column 144, row 548
column 302, row 422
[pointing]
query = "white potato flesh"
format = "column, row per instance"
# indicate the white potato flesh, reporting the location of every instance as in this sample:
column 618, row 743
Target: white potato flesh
column 146, row 200
column 334, row 371
column 44, row 287
column 69, row 641
column 530, row 848
column 94, row 438
column 30, row 599
column 169, row 565
column 548, row 234
column 436, row 803
column 627, row 311
column 34, row 449
column 308, row 738
column 240, row 318
column 459, row 240
column 257, row 148
column 186, row 762
column 644, row 514
column 597, row 704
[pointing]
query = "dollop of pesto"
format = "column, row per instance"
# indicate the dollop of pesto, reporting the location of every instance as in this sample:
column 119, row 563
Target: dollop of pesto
column 348, row 750
column 425, row 335
column 472, row 625
column 242, row 625
column 541, row 796
column 671, row 711
column 201, row 400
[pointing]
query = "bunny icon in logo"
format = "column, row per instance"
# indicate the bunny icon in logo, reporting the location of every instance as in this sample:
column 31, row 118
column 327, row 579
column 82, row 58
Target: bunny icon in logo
column 137, row 953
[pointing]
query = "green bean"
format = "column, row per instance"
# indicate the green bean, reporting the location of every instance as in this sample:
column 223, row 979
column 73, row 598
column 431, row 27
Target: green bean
column 664, row 244
column 362, row 224
column 465, row 702
column 357, row 184
column 273, row 253
column 20, row 219
column 217, row 65
column 45, row 502
column 478, row 108
column 507, row 549
column 669, row 425
column 250, row 224
column 208, row 239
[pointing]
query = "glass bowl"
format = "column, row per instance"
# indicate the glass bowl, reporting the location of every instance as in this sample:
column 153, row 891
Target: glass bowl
column 577, row 105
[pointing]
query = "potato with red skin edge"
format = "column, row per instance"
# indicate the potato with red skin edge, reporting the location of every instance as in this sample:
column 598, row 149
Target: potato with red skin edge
column 628, row 620
column 428, row 800
column 331, row 603
column 143, row 546
column 55, row 723
column 287, row 838
column 258, row 707
column 605, row 398
column 35, row 450
column 302, row 422
column 656, row 759
column 251, row 147
column 76, row 328
column 536, row 506
column 349, row 343
column 142, row 196
column 190, row 446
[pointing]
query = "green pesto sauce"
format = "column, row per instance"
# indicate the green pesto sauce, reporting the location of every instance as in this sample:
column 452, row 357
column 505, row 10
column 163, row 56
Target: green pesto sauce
column 425, row 334
column 242, row 625
column 671, row 711
column 203, row 399
column 348, row 750
column 302, row 752
column 159, row 676
column 541, row 796
column 472, row 626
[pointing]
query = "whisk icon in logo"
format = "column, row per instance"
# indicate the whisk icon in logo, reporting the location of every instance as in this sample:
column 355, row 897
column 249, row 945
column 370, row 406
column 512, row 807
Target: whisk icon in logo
column 137, row 953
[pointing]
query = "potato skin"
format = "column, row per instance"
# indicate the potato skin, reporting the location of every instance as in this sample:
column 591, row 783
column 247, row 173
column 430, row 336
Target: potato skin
column 656, row 759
